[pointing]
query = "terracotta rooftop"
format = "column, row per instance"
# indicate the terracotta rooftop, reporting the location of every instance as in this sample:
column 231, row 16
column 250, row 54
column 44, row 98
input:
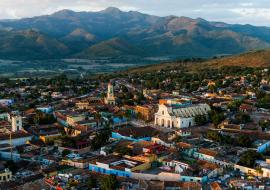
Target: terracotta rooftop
column 245, row 107
column 207, row 152
column 207, row 165
column 190, row 185
column 215, row 186
column 184, row 145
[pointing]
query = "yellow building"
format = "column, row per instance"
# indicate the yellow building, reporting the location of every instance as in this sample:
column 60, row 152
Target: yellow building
column 83, row 105
column 145, row 158
column 145, row 112
column 5, row 175
column 49, row 138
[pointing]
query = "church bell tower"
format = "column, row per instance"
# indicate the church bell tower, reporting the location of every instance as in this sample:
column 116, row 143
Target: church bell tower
column 110, row 99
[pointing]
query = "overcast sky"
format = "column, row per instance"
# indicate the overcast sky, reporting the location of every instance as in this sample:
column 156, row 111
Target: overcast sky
column 256, row 12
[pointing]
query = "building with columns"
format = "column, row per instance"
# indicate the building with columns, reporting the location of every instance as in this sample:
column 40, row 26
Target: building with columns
column 179, row 116
column 110, row 99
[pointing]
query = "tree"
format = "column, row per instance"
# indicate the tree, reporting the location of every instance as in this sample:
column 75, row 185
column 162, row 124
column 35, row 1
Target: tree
column 234, row 105
column 215, row 136
column 244, row 141
column 249, row 157
column 101, row 138
column 124, row 151
column 70, row 130
column 242, row 118
column 11, row 165
column 177, row 139
column 109, row 182
column 264, row 124
column 65, row 152
column 43, row 118
column 200, row 119
column 259, row 171
column 72, row 183
column 91, row 183
column 212, row 88
column 216, row 116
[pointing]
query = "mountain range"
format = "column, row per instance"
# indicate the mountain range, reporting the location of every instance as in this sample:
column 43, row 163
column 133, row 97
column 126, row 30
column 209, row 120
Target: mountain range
column 115, row 33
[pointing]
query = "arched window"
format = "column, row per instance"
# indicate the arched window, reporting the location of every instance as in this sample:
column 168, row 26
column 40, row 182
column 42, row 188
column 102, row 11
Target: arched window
column 168, row 123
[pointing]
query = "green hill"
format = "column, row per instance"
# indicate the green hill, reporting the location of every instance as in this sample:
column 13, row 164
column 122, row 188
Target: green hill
column 254, row 59
column 30, row 44
column 111, row 48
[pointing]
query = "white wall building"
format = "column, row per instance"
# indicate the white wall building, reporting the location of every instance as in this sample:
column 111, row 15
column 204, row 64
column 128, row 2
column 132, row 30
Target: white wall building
column 16, row 123
column 175, row 116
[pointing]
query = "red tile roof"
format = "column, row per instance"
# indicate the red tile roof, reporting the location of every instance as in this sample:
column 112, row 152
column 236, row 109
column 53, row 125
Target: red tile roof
column 207, row 152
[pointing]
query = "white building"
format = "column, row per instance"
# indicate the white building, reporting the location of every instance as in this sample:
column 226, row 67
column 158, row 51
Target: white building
column 110, row 99
column 16, row 123
column 177, row 116
column 5, row 175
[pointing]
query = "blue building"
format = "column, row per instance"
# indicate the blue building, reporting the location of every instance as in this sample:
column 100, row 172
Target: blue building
column 115, row 165
column 46, row 110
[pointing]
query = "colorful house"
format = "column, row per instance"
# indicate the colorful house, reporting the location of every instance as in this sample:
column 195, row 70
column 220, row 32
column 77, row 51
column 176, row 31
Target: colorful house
column 116, row 165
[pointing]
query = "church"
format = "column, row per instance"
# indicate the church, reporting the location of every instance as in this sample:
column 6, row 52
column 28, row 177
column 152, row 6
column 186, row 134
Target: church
column 179, row 116
column 110, row 99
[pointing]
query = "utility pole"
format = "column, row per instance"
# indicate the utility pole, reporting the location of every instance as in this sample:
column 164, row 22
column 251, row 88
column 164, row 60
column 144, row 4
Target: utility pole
column 10, row 142
column 11, row 148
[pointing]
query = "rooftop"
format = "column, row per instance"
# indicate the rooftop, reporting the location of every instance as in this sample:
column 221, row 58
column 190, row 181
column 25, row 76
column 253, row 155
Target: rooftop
column 137, row 132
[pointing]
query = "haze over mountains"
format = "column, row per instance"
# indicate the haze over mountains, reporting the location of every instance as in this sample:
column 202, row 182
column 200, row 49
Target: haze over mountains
column 114, row 33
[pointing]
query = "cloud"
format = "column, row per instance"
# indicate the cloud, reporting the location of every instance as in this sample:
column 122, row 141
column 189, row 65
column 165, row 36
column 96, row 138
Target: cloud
column 255, row 12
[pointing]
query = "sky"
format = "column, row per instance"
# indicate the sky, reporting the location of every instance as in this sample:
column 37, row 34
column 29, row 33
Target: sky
column 256, row 12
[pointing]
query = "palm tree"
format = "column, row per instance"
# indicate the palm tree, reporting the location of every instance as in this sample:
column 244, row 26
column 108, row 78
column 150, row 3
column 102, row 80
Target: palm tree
column 70, row 130
column 98, row 117
column 259, row 171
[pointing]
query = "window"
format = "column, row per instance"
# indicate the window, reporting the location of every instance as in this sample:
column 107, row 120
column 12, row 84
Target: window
column 162, row 112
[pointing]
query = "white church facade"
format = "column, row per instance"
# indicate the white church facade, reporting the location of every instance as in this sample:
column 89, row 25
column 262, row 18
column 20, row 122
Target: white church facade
column 174, row 116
